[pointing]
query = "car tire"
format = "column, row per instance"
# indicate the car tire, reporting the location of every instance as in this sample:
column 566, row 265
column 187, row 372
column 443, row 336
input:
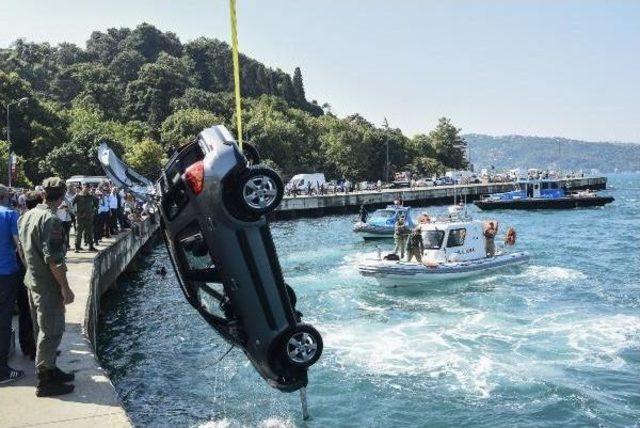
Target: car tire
column 251, row 153
column 302, row 346
column 259, row 190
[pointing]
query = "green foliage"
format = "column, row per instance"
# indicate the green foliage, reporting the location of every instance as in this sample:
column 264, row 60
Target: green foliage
column 148, row 97
column 449, row 146
column 22, row 180
column 184, row 125
column 144, row 91
column 298, row 86
column 77, row 156
column 145, row 157
column 427, row 167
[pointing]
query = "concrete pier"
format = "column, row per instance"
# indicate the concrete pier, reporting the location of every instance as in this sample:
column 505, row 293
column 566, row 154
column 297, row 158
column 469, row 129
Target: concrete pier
column 316, row 206
column 94, row 402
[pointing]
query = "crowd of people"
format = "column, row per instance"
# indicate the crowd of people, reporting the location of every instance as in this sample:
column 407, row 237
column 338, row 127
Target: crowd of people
column 35, row 235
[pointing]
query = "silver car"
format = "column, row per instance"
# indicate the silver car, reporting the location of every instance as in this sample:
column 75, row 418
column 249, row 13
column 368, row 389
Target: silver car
column 214, row 199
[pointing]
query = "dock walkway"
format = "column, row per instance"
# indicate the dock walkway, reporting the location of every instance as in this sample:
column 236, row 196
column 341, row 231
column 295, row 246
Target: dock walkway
column 94, row 402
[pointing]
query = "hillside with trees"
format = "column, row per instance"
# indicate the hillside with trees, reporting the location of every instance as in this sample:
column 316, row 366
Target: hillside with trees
column 144, row 92
column 513, row 151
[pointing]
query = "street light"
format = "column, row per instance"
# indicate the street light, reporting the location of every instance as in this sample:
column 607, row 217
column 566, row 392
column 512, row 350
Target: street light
column 20, row 101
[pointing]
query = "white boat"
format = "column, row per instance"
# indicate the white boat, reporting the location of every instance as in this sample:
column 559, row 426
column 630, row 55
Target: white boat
column 454, row 248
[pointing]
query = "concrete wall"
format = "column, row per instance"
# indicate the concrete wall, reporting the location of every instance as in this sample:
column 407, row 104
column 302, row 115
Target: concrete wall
column 111, row 263
column 315, row 206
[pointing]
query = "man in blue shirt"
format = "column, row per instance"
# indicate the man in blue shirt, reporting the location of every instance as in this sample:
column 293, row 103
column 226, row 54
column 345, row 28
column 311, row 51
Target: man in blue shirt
column 8, row 282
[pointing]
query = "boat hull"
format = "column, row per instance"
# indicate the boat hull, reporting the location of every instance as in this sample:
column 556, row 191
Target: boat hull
column 368, row 231
column 541, row 203
column 394, row 273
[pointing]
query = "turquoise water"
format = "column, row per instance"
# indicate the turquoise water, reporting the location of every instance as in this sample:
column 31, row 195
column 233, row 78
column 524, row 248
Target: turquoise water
column 555, row 343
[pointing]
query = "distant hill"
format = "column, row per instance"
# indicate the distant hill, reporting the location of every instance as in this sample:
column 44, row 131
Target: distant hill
column 512, row 151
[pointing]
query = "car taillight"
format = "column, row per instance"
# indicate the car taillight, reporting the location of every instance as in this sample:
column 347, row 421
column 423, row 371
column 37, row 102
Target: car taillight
column 194, row 176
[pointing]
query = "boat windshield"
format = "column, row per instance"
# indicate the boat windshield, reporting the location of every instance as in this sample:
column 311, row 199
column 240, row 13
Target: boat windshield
column 383, row 214
column 432, row 239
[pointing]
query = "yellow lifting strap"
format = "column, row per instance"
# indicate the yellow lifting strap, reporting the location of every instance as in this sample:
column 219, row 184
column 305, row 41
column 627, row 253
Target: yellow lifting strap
column 236, row 68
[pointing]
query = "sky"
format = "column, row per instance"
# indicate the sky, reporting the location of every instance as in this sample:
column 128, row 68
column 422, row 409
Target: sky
column 567, row 68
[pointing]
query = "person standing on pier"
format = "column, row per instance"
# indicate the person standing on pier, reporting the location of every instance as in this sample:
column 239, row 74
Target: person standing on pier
column 113, row 211
column 42, row 242
column 84, row 204
column 9, row 277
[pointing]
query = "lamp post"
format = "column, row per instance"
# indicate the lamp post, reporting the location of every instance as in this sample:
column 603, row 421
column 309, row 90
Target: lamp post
column 9, row 161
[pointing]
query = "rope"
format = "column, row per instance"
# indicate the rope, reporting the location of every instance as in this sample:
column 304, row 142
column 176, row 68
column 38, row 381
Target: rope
column 236, row 68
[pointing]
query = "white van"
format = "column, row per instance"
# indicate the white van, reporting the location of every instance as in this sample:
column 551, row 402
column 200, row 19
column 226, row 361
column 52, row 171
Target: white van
column 302, row 181
column 94, row 180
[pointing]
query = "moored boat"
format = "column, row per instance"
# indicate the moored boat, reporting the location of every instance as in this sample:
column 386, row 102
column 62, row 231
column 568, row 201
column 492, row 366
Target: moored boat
column 381, row 223
column 541, row 194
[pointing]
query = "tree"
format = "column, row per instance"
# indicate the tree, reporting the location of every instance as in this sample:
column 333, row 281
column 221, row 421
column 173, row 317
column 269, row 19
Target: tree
column 426, row 167
column 184, row 125
column 147, row 158
column 22, row 180
column 298, row 87
column 103, row 47
column 76, row 157
column 148, row 98
column 449, row 146
column 219, row 103
column 150, row 42
column 126, row 65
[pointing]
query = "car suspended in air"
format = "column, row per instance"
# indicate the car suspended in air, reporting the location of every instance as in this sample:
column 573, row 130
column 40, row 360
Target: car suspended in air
column 213, row 199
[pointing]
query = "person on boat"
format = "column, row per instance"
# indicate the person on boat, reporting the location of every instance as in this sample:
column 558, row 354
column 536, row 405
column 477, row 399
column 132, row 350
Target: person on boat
column 415, row 246
column 510, row 237
column 489, row 239
column 400, row 234
column 423, row 220
column 363, row 214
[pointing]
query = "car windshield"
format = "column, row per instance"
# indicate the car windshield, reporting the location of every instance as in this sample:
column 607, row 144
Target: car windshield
column 432, row 239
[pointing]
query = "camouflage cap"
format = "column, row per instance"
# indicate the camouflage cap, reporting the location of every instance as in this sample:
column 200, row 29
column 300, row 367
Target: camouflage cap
column 54, row 183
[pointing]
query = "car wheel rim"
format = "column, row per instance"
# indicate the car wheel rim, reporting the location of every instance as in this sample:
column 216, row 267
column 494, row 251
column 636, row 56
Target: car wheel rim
column 301, row 348
column 260, row 192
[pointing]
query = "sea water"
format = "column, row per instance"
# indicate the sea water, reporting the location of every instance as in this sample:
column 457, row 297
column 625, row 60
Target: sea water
column 554, row 343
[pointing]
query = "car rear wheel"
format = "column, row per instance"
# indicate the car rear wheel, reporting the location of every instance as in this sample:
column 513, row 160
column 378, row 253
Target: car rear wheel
column 303, row 346
column 260, row 190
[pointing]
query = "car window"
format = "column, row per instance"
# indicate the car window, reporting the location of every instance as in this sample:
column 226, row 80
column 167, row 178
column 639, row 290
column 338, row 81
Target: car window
column 196, row 252
column 200, row 273
column 456, row 237
column 211, row 297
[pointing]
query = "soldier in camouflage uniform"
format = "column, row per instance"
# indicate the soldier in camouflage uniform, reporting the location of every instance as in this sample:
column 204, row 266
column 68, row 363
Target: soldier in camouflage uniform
column 85, row 206
column 42, row 243
column 415, row 245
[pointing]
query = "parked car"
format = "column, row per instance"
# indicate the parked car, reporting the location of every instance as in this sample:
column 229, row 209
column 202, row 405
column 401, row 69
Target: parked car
column 424, row 182
column 444, row 181
column 214, row 199
column 80, row 180
column 303, row 182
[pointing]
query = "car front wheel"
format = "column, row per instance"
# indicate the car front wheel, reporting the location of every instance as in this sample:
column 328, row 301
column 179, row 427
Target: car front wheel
column 260, row 190
column 303, row 346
